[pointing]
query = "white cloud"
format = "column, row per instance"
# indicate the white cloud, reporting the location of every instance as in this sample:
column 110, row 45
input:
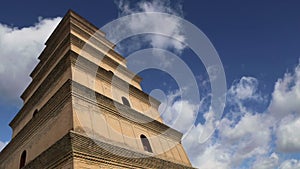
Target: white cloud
column 270, row 162
column 249, row 137
column 208, row 155
column 288, row 137
column 177, row 113
column 286, row 95
column 213, row 157
column 180, row 115
column 239, row 138
column 19, row 49
column 245, row 131
column 244, row 136
column 244, row 89
column 290, row 164
column 167, row 25
column 285, row 110
column 2, row 145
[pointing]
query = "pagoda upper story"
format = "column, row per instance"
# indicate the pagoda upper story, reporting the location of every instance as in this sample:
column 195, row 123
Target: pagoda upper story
column 76, row 34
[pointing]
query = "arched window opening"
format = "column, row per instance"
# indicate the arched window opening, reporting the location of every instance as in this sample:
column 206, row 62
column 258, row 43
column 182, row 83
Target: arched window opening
column 125, row 101
column 146, row 143
column 23, row 159
column 35, row 113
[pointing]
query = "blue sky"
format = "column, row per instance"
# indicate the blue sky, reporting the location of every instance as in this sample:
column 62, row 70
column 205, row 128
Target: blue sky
column 257, row 42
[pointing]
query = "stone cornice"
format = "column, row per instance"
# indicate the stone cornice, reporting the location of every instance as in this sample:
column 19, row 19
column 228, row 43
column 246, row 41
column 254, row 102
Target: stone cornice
column 76, row 146
column 59, row 35
column 81, row 28
column 44, row 87
column 62, row 65
column 74, row 22
column 107, row 76
column 63, row 41
column 81, row 44
column 89, row 31
column 93, row 150
column 122, row 111
column 63, row 47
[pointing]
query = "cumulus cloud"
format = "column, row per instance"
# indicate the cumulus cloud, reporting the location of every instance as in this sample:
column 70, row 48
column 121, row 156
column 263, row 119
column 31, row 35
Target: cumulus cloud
column 238, row 138
column 166, row 25
column 288, row 137
column 286, row 95
column 19, row 49
column 178, row 113
column 214, row 156
column 208, row 155
column 290, row 164
column 285, row 110
column 250, row 137
column 270, row 162
column 244, row 137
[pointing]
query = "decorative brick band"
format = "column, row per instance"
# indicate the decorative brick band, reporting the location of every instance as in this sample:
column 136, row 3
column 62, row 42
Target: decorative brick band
column 76, row 146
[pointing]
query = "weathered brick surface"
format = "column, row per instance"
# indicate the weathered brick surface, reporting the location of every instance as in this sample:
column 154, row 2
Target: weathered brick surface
column 94, row 150
column 82, row 149
column 56, row 156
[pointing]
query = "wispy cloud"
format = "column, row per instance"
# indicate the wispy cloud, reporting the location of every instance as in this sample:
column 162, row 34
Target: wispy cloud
column 19, row 48
column 167, row 25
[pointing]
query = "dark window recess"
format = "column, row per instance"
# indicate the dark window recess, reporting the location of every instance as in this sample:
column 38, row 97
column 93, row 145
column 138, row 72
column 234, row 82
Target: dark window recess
column 35, row 113
column 23, row 159
column 125, row 101
column 146, row 143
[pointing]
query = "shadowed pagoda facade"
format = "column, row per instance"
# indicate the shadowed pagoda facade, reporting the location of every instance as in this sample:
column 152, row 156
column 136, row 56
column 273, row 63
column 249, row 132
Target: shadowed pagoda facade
column 84, row 109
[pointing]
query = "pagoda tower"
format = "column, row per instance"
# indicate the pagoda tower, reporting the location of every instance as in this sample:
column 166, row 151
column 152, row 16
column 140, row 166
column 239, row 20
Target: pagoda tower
column 85, row 110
